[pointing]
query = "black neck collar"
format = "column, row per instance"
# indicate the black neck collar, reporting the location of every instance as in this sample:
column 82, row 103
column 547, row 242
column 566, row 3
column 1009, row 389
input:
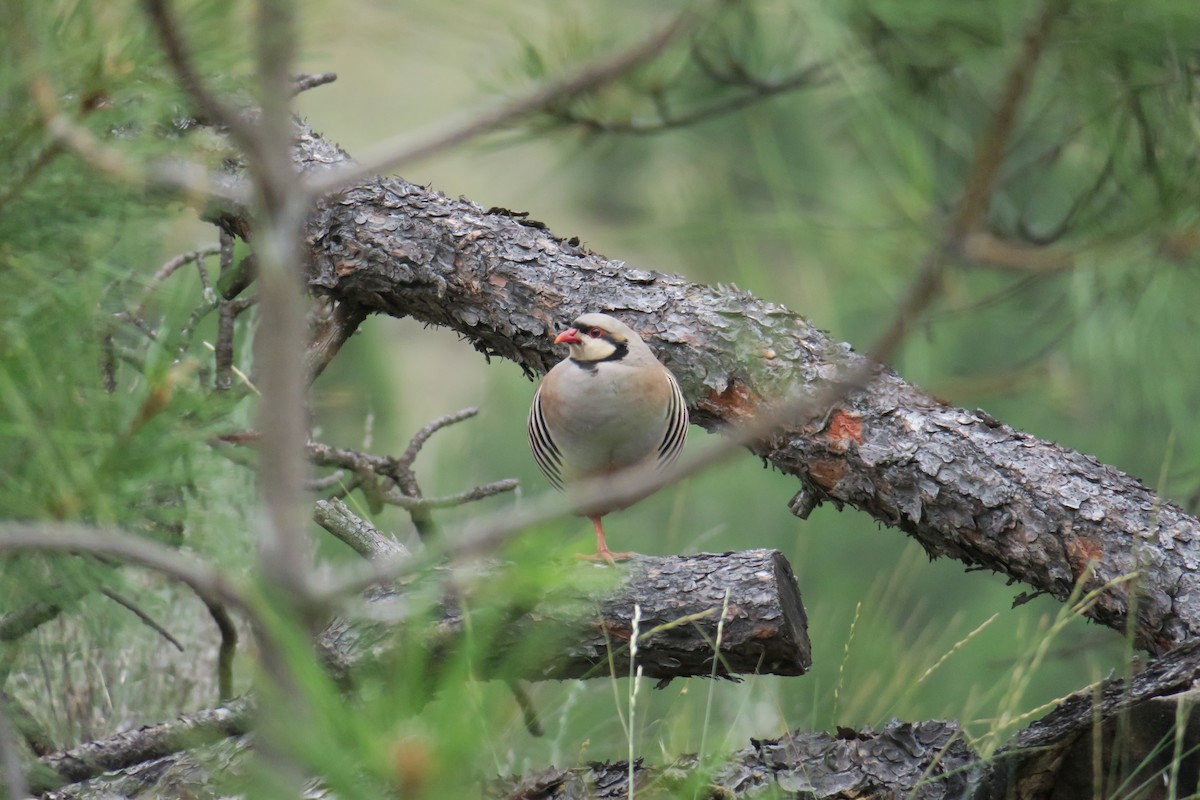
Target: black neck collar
column 620, row 350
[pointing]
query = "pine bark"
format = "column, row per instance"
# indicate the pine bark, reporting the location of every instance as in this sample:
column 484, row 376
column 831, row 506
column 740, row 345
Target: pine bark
column 961, row 483
column 922, row 761
column 582, row 628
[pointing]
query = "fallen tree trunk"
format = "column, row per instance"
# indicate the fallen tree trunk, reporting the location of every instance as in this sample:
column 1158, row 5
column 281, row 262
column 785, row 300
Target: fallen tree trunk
column 922, row 761
column 963, row 484
column 123, row 752
column 581, row 627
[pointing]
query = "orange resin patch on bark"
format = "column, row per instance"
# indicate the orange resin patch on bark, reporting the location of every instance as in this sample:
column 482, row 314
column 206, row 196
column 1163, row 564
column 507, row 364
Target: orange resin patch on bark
column 1080, row 552
column 844, row 428
column 737, row 403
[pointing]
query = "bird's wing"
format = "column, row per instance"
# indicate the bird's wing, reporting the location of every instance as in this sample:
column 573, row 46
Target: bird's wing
column 545, row 452
column 677, row 425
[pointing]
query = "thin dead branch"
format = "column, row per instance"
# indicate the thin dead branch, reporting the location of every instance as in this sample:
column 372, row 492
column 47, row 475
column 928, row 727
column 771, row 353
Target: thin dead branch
column 492, row 489
column 145, row 618
column 172, row 265
column 307, row 80
column 988, row 250
column 227, row 650
column 385, row 479
column 362, row 537
column 331, row 325
column 753, row 91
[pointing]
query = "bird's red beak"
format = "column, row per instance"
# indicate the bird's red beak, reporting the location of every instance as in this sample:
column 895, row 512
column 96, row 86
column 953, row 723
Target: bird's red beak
column 569, row 336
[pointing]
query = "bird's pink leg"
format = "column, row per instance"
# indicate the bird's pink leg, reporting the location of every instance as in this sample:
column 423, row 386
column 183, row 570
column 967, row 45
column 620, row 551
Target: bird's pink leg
column 602, row 552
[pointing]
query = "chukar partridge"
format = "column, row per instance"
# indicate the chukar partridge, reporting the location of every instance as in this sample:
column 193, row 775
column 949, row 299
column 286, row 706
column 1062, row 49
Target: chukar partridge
column 609, row 406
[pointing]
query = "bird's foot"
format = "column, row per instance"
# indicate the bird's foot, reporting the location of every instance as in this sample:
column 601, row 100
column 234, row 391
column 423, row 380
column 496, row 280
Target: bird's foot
column 605, row 555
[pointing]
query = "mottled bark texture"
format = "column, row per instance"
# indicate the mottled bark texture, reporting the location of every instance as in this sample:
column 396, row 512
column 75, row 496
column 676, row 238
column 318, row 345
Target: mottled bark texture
column 961, row 483
column 922, row 761
column 202, row 773
column 130, row 748
column 581, row 628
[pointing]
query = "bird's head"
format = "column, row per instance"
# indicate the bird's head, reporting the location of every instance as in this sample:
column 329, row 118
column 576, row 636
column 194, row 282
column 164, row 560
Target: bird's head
column 598, row 337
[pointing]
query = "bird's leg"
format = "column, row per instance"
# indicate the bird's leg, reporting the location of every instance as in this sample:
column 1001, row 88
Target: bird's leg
column 602, row 552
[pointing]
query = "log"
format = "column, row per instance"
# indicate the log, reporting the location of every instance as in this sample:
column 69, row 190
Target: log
column 922, row 761
column 961, row 483
column 125, row 750
column 919, row 761
column 585, row 622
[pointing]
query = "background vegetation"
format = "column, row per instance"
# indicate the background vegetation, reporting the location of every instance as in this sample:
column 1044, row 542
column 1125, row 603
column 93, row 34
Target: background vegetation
column 823, row 198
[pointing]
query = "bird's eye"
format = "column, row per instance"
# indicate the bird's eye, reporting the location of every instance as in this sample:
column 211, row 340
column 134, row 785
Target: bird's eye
column 596, row 333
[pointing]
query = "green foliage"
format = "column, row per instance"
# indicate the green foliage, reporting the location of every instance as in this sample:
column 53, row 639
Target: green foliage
column 105, row 405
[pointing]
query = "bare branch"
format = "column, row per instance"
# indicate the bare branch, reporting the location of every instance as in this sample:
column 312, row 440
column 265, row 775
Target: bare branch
column 331, row 325
column 363, row 537
column 223, row 350
column 406, row 493
column 404, row 464
column 986, row 249
column 172, row 265
column 753, row 91
column 146, row 619
column 337, row 478
column 450, row 501
column 227, row 650
column 306, row 80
